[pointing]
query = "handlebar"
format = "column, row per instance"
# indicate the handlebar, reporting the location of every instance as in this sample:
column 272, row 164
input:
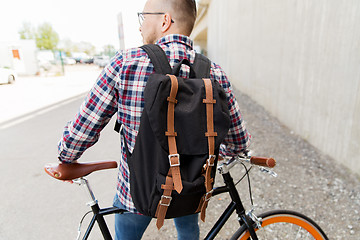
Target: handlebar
column 263, row 161
column 260, row 161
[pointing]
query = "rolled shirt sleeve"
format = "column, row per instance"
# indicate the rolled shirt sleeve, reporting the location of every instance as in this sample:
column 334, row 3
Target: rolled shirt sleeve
column 95, row 112
column 238, row 138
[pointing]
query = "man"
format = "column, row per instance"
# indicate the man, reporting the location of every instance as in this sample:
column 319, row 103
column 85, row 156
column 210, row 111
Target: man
column 119, row 89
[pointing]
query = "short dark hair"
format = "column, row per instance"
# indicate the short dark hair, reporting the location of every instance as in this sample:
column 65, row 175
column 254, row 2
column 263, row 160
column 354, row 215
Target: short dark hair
column 185, row 13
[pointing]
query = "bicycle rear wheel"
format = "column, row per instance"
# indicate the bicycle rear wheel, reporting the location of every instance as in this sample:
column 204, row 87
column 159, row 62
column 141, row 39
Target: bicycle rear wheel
column 284, row 224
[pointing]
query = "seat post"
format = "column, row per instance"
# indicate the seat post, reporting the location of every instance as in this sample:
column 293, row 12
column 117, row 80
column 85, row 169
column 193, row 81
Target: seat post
column 98, row 217
column 85, row 182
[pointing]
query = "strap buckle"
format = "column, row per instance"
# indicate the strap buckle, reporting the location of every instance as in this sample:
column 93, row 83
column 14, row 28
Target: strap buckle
column 174, row 155
column 211, row 163
column 167, row 198
column 208, row 195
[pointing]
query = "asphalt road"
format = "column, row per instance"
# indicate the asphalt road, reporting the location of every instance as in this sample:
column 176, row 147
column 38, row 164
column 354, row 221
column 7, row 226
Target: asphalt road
column 33, row 205
column 33, row 112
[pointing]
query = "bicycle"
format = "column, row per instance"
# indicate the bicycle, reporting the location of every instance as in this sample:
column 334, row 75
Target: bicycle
column 276, row 224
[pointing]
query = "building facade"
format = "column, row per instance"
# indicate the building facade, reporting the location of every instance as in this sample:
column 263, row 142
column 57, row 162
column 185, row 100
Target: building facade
column 298, row 59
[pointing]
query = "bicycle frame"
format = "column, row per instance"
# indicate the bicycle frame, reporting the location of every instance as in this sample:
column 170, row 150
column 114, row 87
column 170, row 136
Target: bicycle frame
column 99, row 218
column 235, row 204
column 98, row 214
column 247, row 220
column 229, row 187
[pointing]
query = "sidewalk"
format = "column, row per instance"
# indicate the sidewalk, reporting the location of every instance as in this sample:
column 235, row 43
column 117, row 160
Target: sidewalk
column 28, row 94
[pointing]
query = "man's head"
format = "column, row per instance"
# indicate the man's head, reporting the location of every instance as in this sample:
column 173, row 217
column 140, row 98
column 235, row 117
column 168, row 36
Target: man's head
column 163, row 17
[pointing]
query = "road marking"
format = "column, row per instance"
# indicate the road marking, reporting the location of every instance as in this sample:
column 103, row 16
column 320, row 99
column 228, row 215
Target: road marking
column 38, row 112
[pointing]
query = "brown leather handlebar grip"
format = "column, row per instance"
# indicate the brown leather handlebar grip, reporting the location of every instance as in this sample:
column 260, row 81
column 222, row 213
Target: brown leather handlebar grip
column 263, row 161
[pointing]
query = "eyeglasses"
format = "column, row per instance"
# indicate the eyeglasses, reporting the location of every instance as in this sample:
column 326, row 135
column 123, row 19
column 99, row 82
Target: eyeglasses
column 141, row 16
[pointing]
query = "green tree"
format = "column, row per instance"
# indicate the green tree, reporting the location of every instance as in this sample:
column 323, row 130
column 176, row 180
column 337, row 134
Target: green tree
column 27, row 31
column 46, row 37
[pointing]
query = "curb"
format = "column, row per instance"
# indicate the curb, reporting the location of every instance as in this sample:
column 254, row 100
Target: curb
column 21, row 118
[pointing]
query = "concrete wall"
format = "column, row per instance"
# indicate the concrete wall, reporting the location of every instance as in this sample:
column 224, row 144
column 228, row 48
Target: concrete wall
column 300, row 59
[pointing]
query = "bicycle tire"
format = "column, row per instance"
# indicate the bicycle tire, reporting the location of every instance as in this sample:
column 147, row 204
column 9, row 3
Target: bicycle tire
column 279, row 224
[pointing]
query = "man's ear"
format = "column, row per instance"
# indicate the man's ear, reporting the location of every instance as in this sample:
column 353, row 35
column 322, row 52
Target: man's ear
column 166, row 22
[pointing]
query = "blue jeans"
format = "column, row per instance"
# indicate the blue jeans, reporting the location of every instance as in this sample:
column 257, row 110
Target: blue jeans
column 132, row 226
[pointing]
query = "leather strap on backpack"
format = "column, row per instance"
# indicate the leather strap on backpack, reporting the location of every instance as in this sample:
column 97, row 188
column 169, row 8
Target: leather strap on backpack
column 165, row 201
column 173, row 179
column 210, row 134
column 174, row 157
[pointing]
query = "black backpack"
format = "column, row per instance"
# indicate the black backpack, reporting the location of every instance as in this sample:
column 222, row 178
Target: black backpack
column 183, row 124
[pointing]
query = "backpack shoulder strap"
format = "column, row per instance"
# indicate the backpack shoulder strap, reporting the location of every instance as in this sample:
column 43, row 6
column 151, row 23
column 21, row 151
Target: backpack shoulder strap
column 158, row 58
column 202, row 66
column 161, row 65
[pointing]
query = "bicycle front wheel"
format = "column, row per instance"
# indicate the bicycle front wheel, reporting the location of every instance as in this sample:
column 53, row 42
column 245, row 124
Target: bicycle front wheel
column 284, row 224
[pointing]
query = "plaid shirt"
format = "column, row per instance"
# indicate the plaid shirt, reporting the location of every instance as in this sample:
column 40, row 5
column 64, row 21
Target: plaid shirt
column 119, row 89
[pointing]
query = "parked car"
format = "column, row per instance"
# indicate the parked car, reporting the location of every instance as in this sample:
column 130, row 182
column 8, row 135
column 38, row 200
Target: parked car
column 77, row 56
column 7, row 75
column 69, row 61
column 101, row 61
column 87, row 60
column 77, row 59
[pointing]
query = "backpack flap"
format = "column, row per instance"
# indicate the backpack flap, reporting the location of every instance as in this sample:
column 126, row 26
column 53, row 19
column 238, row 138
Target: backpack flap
column 190, row 113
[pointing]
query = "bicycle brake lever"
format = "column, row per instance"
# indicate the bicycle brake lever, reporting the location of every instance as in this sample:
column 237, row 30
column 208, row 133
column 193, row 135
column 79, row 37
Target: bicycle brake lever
column 270, row 172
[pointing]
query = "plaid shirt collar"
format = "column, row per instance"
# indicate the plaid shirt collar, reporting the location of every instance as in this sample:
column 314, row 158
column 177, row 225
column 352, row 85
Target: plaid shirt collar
column 175, row 38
